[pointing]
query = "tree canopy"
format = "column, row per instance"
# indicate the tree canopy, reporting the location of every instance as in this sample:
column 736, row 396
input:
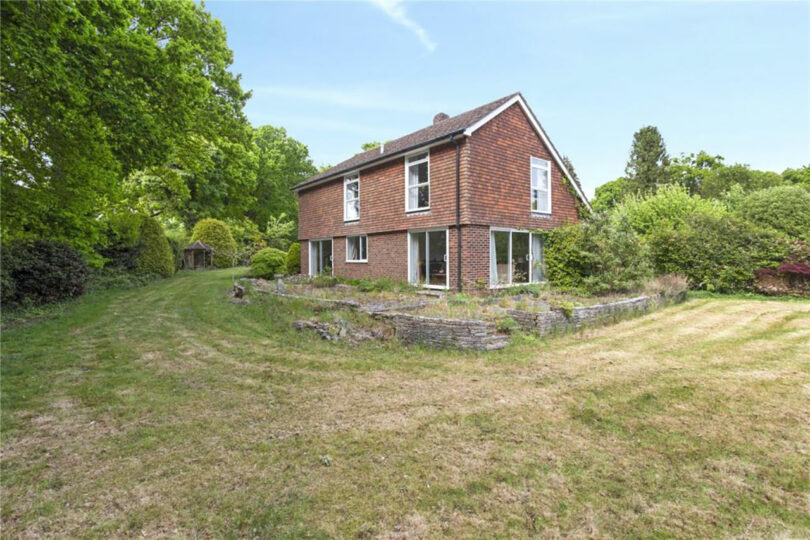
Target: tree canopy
column 648, row 165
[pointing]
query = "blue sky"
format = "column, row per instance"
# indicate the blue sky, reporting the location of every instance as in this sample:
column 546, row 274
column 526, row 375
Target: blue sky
column 726, row 77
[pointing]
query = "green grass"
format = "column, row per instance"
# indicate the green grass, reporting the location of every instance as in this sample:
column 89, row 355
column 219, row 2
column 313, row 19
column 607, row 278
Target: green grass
column 167, row 410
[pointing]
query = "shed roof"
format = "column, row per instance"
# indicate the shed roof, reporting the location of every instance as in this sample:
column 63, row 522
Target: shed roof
column 197, row 246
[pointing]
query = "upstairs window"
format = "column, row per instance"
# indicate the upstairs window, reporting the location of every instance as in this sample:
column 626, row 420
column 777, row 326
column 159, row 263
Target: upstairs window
column 357, row 248
column 351, row 198
column 541, row 186
column 417, row 182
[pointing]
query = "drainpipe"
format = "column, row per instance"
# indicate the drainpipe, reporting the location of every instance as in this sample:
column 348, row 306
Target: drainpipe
column 458, row 208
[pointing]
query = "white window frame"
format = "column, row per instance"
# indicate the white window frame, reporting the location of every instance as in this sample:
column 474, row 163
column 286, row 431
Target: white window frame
column 492, row 259
column 408, row 162
column 351, row 179
column 361, row 238
column 539, row 166
column 427, row 250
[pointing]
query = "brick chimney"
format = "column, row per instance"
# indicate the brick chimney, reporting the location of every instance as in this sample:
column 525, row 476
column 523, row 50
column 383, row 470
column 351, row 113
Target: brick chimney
column 439, row 117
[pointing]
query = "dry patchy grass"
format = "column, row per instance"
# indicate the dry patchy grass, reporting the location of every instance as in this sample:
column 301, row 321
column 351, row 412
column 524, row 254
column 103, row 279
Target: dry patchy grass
column 168, row 411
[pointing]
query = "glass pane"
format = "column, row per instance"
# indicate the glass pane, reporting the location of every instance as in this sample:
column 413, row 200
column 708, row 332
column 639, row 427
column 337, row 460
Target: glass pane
column 413, row 198
column 352, row 209
column 352, row 190
column 351, row 248
column 326, row 257
column 539, row 162
column 424, row 196
column 418, row 269
column 418, row 174
column 520, row 257
column 500, row 241
column 437, row 244
column 535, row 195
column 542, row 202
column 363, row 248
column 418, row 157
column 537, row 258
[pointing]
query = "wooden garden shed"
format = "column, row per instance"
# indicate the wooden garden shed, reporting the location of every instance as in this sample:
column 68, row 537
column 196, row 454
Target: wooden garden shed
column 199, row 256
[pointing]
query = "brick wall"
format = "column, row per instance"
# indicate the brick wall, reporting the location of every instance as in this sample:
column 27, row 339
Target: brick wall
column 382, row 200
column 495, row 178
column 497, row 189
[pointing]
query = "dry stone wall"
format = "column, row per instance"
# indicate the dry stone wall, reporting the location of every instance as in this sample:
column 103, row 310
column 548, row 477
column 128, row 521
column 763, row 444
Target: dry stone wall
column 438, row 332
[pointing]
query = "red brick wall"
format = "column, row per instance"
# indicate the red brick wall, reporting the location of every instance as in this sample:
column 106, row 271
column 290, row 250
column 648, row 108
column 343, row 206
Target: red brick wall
column 495, row 178
column 382, row 200
column 497, row 189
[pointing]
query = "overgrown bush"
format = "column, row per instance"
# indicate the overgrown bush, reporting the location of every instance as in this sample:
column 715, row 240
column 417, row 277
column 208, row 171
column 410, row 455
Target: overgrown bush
column 41, row 272
column 597, row 256
column 154, row 253
column 784, row 208
column 111, row 277
column 667, row 285
column 178, row 238
column 376, row 285
column 294, row 259
column 218, row 235
column 667, row 208
column 324, row 281
column 716, row 253
column 268, row 262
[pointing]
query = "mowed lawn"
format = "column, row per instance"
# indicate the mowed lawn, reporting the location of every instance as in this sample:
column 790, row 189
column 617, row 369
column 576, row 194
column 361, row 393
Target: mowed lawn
column 170, row 411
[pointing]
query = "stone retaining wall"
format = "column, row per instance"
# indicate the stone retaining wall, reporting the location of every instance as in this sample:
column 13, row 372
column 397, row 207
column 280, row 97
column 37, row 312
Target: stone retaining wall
column 437, row 332
column 556, row 320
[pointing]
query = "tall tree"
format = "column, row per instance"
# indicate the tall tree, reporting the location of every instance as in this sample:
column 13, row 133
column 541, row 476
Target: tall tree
column 647, row 167
column 690, row 170
column 94, row 92
column 282, row 163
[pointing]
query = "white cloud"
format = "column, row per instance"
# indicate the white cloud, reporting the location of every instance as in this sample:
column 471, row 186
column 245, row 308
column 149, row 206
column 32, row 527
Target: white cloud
column 396, row 12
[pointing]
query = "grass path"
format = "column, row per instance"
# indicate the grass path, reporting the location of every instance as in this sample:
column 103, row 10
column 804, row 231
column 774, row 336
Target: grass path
column 169, row 411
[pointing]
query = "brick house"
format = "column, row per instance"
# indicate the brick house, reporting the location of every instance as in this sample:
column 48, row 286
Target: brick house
column 452, row 205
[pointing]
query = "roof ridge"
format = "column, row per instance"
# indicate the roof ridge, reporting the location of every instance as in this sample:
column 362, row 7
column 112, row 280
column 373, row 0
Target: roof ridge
column 423, row 136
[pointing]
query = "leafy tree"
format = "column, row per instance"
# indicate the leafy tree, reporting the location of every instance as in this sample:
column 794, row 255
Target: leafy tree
column 216, row 234
column 799, row 176
column 611, row 193
column 282, row 163
column 668, row 208
column 280, row 232
column 689, row 170
column 647, row 167
column 94, row 92
column 783, row 208
column 719, row 181
column 370, row 145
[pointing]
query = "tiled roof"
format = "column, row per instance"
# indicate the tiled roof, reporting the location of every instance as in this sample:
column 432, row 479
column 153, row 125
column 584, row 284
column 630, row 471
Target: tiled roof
column 439, row 130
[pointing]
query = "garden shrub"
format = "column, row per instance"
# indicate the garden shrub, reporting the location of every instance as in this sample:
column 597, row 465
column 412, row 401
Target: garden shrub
column 783, row 208
column 376, row 285
column 218, row 235
column 667, row 285
column 324, row 281
column 41, row 272
column 294, row 259
column 717, row 253
column 667, row 208
column 268, row 262
column 155, row 256
column 597, row 256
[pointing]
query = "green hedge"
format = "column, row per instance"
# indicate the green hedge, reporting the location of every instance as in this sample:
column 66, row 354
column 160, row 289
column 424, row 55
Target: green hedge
column 784, row 208
column 294, row 259
column 155, row 255
column 218, row 235
column 717, row 253
column 268, row 262
column 41, row 272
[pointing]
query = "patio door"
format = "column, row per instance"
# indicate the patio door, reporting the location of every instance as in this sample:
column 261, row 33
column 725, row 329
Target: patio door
column 427, row 259
column 320, row 257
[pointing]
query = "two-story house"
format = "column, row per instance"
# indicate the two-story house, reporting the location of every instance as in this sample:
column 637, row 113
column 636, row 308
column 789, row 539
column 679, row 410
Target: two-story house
column 452, row 205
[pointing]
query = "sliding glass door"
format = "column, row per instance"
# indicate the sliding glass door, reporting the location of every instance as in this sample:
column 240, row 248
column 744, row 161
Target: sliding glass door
column 428, row 258
column 320, row 257
column 515, row 257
